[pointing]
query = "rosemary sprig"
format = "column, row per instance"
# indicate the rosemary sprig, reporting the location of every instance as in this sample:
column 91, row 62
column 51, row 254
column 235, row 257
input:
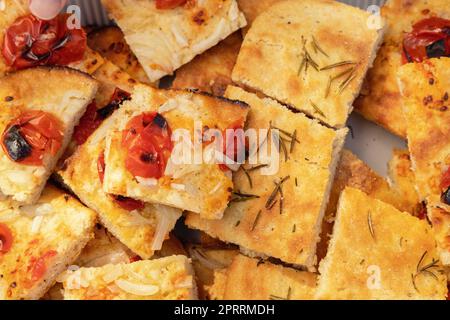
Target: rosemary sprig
column 280, row 191
column 370, row 224
column 328, row 88
column 338, row 64
column 424, row 269
column 241, row 197
column 347, row 81
column 317, row 109
column 249, row 170
column 334, row 78
column 317, row 47
column 278, row 185
column 255, row 222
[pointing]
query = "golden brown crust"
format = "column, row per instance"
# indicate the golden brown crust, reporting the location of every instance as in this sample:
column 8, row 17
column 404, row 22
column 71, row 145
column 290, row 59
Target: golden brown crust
column 199, row 179
column 168, row 278
column 111, row 44
column 378, row 252
column 164, row 40
column 211, row 71
column 380, row 99
column 273, row 56
column 61, row 91
column 252, row 279
column 310, row 167
column 252, row 9
column 55, row 239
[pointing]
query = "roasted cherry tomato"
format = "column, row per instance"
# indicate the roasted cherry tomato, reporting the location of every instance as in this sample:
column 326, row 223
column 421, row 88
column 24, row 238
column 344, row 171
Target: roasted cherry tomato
column 147, row 139
column 38, row 266
column 31, row 136
column 124, row 202
column 6, row 238
column 169, row 4
column 430, row 38
column 30, row 41
column 93, row 117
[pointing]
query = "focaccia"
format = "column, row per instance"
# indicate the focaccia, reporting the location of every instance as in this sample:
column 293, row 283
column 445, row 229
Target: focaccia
column 14, row 9
column 110, row 43
column 199, row 186
column 252, row 9
column 165, row 39
column 310, row 54
column 60, row 93
column 253, row 279
column 211, row 71
column 380, row 99
column 425, row 90
column 142, row 230
column 40, row 241
column 279, row 214
column 379, row 252
column 168, row 278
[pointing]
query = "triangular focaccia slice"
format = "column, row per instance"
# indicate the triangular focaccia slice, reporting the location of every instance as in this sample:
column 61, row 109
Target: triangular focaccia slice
column 425, row 89
column 379, row 252
column 142, row 228
column 279, row 213
column 39, row 109
column 168, row 278
column 192, row 182
column 253, row 279
column 165, row 39
column 16, row 9
column 40, row 241
column 311, row 54
column 380, row 99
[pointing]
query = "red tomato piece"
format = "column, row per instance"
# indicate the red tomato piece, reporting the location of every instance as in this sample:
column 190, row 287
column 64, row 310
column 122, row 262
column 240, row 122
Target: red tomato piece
column 169, row 4
column 6, row 238
column 38, row 266
column 89, row 122
column 30, row 41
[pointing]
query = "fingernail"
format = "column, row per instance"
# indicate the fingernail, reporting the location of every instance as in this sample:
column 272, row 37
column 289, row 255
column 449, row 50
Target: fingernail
column 46, row 9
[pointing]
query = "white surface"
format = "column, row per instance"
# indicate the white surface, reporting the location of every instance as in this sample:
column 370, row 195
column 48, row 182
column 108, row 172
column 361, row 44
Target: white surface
column 371, row 143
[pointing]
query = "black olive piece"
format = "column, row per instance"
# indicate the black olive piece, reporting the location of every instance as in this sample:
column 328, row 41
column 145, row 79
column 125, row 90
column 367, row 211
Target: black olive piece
column 436, row 49
column 16, row 145
column 446, row 196
column 107, row 110
column 160, row 121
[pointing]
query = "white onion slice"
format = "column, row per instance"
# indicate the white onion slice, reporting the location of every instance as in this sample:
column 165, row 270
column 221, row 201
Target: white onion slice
column 137, row 289
column 36, row 224
column 167, row 218
column 147, row 182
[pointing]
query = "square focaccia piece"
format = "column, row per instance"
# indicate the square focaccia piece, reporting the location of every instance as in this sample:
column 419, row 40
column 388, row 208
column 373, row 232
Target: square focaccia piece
column 168, row 278
column 380, row 99
column 425, row 89
column 13, row 27
column 163, row 39
column 39, row 241
column 265, row 281
column 310, row 54
column 37, row 120
column 278, row 204
column 187, row 179
column 141, row 227
column 379, row 252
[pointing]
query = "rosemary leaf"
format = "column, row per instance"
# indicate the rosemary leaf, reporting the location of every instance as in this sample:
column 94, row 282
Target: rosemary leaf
column 318, row 48
column 255, row 222
column 338, row 64
column 317, row 109
column 370, row 224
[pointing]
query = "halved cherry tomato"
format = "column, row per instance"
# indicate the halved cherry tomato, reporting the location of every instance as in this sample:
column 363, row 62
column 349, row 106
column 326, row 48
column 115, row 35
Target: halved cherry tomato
column 6, row 238
column 147, row 139
column 93, row 117
column 124, row 202
column 30, row 41
column 430, row 38
column 32, row 135
column 38, row 266
column 169, row 4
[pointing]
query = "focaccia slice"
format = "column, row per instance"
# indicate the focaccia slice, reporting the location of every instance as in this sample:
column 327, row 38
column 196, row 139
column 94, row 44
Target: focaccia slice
column 252, row 9
column 39, row 242
column 211, row 71
column 168, row 278
column 165, row 39
column 142, row 230
column 253, row 279
column 279, row 213
column 380, row 99
column 14, row 9
column 111, row 44
column 199, row 186
column 379, row 252
column 425, row 89
column 60, row 92
column 310, row 54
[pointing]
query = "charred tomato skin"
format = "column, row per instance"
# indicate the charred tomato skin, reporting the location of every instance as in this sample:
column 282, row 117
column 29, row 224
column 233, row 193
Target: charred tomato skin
column 445, row 197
